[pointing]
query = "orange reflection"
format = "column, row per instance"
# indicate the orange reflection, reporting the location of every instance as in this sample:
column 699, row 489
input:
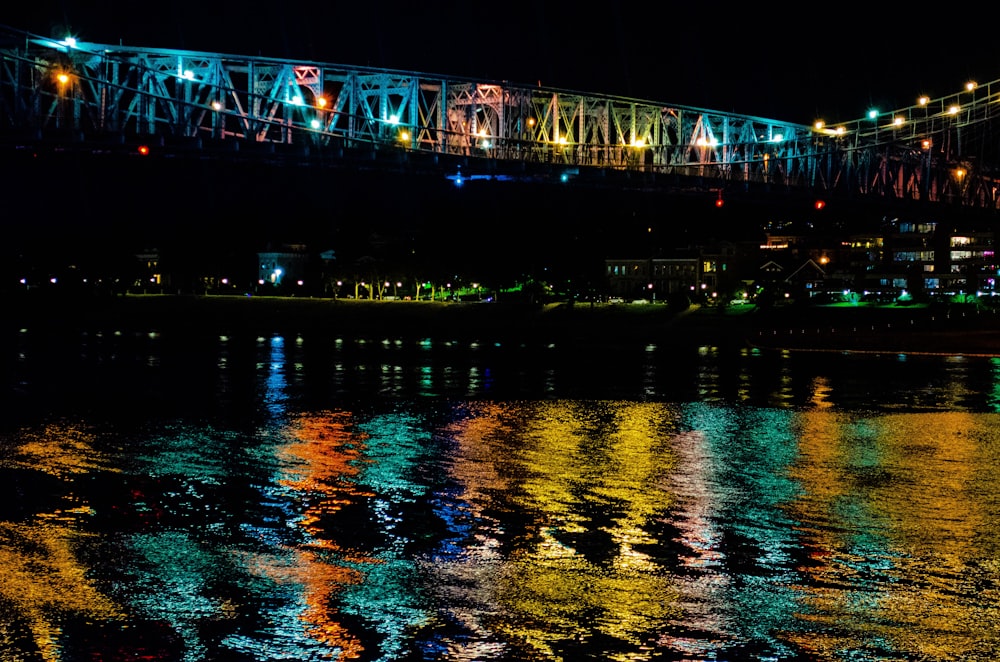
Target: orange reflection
column 321, row 458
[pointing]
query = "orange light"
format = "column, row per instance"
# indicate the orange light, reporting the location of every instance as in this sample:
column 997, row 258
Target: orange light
column 819, row 204
column 719, row 201
column 144, row 149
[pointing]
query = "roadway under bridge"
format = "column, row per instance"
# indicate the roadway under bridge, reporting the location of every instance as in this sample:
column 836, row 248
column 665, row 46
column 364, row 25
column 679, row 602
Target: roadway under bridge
column 114, row 97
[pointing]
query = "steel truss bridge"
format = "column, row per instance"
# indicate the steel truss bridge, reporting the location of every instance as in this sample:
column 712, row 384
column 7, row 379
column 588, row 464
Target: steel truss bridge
column 939, row 150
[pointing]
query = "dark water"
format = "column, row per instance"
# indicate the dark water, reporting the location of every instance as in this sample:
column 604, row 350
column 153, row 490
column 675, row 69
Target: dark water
column 296, row 497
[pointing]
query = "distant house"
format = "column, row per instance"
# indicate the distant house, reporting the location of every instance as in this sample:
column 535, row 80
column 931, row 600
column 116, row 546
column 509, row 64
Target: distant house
column 651, row 278
column 280, row 267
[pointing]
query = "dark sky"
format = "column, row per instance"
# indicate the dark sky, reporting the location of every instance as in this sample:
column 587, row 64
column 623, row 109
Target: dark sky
column 792, row 63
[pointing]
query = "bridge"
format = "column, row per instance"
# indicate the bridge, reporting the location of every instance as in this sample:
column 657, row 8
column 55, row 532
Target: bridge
column 138, row 98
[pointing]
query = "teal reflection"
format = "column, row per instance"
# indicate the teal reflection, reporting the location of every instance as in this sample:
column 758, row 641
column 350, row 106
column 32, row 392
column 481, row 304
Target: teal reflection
column 994, row 395
column 174, row 586
column 749, row 454
column 398, row 447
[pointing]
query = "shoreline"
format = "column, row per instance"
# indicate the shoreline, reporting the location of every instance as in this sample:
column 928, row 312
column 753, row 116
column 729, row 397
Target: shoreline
column 951, row 330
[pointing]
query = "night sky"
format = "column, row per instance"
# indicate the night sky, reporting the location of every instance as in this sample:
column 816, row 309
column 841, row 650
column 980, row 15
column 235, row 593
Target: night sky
column 793, row 63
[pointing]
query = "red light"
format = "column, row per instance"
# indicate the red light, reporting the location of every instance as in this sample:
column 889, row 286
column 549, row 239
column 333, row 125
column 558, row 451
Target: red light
column 719, row 202
column 144, row 149
column 819, row 204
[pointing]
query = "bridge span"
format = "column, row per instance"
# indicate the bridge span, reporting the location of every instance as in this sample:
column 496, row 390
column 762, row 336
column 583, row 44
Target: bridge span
column 937, row 150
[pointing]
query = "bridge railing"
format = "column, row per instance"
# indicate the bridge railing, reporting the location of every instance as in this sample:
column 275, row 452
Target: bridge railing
column 931, row 151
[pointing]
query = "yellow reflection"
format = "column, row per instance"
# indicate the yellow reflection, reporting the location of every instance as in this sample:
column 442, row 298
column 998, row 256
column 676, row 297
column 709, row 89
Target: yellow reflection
column 57, row 450
column 901, row 508
column 42, row 578
column 590, row 480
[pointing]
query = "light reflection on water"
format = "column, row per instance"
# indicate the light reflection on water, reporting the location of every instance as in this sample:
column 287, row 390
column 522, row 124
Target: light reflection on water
column 273, row 498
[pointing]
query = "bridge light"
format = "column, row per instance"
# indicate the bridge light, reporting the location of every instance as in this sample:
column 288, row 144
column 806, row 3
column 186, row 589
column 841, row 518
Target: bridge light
column 953, row 110
column 393, row 119
column 873, row 114
column 819, row 204
column 970, row 86
column 897, row 121
column 314, row 124
column 68, row 42
column 143, row 150
column 819, row 124
column 923, row 100
column 216, row 105
column 62, row 78
column 321, row 102
column 404, row 136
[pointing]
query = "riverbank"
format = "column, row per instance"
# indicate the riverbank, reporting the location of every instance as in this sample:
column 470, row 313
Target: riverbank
column 962, row 329
column 231, row 314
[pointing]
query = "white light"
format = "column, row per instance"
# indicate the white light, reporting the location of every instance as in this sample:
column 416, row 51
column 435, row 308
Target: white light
column 297, row 100
column 69, row 42
column 314, row 124
column 393, row 119
column 188, row 74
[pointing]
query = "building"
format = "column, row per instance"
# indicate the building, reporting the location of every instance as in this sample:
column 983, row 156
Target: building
column 281, row 269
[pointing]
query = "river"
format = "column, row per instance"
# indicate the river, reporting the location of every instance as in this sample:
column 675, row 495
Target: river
column 306, row 496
